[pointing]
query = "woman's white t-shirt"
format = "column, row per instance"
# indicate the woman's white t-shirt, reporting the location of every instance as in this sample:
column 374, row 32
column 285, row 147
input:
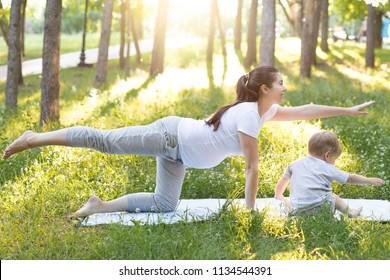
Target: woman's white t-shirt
column 201, row 147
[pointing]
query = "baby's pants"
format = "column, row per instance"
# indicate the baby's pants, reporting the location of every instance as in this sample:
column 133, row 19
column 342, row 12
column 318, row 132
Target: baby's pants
column 158, row 139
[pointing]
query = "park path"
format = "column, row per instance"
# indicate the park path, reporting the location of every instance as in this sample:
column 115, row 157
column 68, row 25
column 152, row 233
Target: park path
column 70, row 60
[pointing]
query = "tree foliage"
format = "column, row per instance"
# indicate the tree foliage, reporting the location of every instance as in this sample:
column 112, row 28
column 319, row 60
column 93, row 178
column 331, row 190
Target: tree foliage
column 349, row 11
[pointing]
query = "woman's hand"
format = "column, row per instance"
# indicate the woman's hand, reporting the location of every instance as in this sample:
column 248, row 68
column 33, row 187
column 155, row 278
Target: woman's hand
column 358, row 109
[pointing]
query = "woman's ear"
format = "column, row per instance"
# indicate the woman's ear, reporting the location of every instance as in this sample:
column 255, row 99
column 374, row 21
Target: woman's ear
column 263, row 89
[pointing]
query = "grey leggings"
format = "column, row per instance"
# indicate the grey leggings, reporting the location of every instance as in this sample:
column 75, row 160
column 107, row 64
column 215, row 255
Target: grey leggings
column 158, row 139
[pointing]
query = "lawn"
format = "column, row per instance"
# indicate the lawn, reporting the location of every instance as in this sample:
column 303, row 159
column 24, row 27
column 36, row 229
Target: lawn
column 39, row 188
column 69, row 43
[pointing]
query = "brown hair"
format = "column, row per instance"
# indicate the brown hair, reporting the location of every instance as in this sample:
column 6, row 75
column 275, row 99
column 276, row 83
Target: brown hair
column 248, row 90
column 322, row 142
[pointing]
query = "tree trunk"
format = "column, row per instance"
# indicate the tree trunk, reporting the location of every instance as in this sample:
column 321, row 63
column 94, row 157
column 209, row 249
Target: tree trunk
column 370, row 44
column 101, row 65
column 251, row 51
column 135, row 37
column 267, row 39
column 293, row 12
column 157, row 65
column 22, row 23
column 306, row 40
column 324, row 25
column 316, row 27
column 50, row 84
column 14, row 55
column 210, row 40
column 123, row 29
column 238, row 26
column 4, row 26
column 128, row 41
column 378, row 29
column 139, row 28
column 221, row 31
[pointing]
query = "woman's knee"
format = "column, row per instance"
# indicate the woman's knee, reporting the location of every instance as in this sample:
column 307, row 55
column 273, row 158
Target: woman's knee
column 166, row 204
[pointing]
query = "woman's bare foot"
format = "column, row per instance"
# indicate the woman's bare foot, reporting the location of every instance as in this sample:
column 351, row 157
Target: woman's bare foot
column 20, row 144
column 92, row 206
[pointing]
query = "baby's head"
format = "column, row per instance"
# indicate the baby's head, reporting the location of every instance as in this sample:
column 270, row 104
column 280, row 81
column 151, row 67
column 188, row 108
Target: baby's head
column 325, row 145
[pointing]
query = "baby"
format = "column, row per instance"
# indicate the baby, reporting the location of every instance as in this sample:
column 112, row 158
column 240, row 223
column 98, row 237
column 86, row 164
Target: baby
column 311, row 177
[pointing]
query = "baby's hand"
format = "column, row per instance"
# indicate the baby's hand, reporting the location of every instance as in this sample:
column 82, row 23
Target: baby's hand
column 376, row 181
column 287, row 204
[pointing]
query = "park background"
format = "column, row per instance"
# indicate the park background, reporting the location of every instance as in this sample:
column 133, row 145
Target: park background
column 193, row 75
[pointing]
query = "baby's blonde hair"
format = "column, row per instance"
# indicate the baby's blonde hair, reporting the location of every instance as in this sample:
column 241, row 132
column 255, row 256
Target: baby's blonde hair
column 322, row 142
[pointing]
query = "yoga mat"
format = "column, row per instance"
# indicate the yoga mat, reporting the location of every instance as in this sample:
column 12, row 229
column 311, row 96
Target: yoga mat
column 192, row 210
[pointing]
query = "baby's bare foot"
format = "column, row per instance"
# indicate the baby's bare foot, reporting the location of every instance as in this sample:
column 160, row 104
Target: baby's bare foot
column 20, row 144
column 355, row 212
column 91, row 207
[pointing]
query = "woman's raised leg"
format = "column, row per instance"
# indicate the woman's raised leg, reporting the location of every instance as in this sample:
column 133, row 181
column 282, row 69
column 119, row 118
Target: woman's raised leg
column 141, row 140
column 30, row 140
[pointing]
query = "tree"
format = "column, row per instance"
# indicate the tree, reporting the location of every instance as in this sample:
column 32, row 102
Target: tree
column 128, row 33
column 50, row 84
column 324, row 25
column 138, row 11
column 210, row 42
column 211, row 34
column 293, row 11
column 134, row 33
column 357, row 10
column 123, row 32
column 370, row 55
column 127, row 28
column 251, row 50
column 157, row 65
column 22, row 25
column 316, row 27
column 221, row 31
column 14, row 55
column 308, row 32
column 101, row 65
column 267, row 39
column 238, row 27
column 378, row 28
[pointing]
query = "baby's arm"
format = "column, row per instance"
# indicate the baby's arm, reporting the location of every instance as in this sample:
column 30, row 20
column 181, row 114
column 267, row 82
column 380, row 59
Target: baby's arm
column 280, row 188
column 355, row 179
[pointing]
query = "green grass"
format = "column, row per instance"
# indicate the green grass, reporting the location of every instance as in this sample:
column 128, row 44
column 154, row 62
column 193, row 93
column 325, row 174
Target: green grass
column 69, row 43
column 40, row 187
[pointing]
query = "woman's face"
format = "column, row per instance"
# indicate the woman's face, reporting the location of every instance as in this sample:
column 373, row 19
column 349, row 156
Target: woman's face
column 276, row 93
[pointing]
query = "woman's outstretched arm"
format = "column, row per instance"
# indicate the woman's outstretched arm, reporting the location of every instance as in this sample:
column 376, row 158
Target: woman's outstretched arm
column 313, row 111
column 251, row 153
